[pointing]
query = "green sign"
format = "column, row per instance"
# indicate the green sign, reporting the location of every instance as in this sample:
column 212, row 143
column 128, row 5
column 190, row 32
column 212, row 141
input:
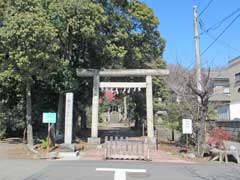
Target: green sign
column 49, row 117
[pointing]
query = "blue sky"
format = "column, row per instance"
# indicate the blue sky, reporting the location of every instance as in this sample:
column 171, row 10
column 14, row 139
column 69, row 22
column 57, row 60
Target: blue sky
column 176, row 26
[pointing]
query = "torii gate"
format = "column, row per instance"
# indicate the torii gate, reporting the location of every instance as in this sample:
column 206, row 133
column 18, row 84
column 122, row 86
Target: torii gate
column 96, row 74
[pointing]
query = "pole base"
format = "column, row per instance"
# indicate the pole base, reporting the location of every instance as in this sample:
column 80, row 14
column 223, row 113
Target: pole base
column 152, row 142
column 67, row 147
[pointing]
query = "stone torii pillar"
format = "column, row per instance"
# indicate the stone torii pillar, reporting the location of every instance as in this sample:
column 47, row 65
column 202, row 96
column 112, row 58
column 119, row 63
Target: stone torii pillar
column 125, row 111
column 149, row 99
column 95, row 100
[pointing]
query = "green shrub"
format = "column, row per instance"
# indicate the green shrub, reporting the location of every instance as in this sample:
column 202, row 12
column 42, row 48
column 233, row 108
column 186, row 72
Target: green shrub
column 44, row 143
column 12, row 120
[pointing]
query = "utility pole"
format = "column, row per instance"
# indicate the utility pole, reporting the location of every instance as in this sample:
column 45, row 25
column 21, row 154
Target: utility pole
column 201, row 137
column 197, row 51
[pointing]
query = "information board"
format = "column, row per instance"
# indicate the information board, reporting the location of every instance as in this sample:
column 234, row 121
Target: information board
column 49, row 117
column 187, row 126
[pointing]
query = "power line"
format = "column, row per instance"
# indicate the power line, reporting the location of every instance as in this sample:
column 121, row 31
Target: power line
column 209, row 3
column 219, row 23
column 224, row 43
column 226, row 28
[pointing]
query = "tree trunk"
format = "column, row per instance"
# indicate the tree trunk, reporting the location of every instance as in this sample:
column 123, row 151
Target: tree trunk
column 83, row 119
column 25, row 136
column 59, row 125
column 29, row 113
column 137, row 116
column 173, row 137
column 51, row 136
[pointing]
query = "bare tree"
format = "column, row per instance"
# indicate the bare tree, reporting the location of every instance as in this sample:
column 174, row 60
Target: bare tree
column 204, row 95
column 182, row 83
column 178, row 83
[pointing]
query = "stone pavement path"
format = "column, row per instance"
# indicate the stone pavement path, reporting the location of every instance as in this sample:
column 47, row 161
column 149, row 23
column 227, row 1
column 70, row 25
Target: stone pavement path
column 118, row 129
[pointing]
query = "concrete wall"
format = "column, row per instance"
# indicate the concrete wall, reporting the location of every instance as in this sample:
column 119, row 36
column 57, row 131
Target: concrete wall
column 164, row 134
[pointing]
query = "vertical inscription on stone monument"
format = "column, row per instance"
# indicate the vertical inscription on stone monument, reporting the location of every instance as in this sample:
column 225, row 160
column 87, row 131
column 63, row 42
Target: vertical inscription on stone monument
column 68, row 118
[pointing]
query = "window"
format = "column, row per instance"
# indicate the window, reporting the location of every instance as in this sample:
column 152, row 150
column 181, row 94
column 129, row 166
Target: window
column 218, row 89
column 226, row 90
column 237, row 79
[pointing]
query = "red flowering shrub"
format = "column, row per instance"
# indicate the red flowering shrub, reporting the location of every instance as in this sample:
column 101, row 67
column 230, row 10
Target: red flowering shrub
column 217, row 136
column 110, row 96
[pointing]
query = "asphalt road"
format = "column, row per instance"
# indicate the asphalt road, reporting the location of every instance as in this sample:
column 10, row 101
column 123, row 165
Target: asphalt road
column 106, row 170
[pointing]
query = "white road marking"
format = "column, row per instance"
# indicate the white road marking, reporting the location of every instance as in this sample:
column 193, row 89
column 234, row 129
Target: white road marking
column 120, row 174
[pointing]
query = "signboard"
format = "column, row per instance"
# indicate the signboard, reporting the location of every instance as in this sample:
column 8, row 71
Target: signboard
column 49, row 117
column 187, row 126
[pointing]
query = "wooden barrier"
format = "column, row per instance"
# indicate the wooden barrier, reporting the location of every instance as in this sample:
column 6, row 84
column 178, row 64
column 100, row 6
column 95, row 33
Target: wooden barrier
column 126, row 149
